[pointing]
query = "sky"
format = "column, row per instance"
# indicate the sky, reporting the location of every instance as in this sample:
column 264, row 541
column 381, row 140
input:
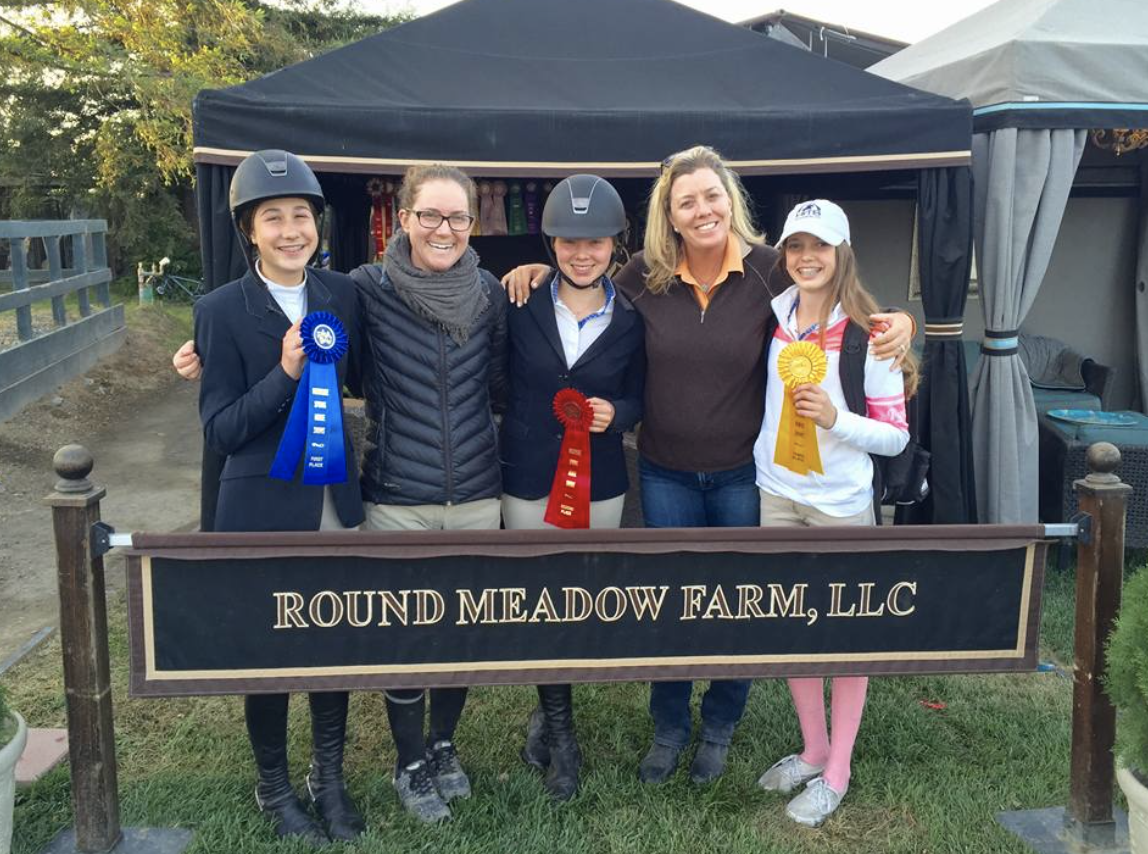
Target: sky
column 905, row 20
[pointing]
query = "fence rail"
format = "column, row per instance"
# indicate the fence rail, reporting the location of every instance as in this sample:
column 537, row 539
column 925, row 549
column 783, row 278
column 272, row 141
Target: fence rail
column 46, row 261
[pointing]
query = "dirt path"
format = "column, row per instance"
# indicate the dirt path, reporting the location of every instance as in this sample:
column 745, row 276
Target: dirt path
column 140, row 423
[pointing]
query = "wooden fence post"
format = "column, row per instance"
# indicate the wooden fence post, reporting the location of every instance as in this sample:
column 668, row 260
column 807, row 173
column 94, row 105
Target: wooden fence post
column 75, row 507
column 1099, row 575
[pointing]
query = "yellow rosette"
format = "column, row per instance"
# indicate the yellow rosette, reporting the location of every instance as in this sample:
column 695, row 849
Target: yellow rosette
column 799, row 363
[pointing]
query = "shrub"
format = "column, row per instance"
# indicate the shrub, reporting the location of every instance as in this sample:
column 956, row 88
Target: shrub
column 1127, row 678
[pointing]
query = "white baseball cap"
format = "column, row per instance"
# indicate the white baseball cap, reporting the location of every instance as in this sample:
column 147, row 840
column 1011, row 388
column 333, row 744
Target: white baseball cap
column 821, row 218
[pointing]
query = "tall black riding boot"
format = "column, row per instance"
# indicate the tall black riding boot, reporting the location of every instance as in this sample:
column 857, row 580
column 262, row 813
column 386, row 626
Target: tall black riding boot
column 565, row 756
column 266, row 716
column 325, row 781
column 536, row 751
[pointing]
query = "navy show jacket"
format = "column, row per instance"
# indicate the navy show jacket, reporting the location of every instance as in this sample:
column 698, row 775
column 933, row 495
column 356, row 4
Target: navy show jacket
column 613, row 368
column 245, row 397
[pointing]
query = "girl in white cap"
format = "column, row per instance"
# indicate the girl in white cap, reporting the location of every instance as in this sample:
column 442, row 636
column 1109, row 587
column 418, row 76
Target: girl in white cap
column 829, row 480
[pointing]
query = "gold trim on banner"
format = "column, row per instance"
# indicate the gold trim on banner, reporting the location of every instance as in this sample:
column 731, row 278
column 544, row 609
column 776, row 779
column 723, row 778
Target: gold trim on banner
column 1018, row 651
column 586, row 663
column 1025, row 595
column 545, row 168
column 148, row 617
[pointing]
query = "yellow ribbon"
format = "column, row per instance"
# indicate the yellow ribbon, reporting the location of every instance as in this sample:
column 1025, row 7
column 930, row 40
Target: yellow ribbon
column 799, row 363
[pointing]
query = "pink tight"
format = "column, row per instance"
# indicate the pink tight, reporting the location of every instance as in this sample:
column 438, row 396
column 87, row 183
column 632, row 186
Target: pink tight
column 848, row 701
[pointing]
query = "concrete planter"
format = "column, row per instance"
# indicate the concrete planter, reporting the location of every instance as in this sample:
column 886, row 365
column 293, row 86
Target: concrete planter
column 1137, row 794
column 9, row 754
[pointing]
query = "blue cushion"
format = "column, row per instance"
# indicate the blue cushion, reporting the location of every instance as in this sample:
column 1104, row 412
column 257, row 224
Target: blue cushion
column 1046, row 399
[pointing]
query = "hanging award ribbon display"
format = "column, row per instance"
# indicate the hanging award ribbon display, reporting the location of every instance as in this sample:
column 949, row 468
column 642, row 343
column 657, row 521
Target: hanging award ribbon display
column 569, row 504
column 799, row 363
column 315, row 425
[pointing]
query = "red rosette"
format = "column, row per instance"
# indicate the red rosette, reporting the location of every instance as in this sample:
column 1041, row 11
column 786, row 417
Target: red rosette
column 569, row 504
column 573, row 410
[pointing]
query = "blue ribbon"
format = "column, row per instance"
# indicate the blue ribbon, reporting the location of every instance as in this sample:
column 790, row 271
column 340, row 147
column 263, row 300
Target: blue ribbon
column 315, row 425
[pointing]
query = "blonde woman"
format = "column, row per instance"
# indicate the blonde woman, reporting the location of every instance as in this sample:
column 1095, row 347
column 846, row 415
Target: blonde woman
column 702, row 285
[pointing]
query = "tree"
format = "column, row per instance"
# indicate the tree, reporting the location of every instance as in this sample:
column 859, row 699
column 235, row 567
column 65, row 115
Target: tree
column 95, row 107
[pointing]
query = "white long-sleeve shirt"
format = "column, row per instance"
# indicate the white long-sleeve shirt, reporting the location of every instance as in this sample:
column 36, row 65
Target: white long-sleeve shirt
column 846, row 487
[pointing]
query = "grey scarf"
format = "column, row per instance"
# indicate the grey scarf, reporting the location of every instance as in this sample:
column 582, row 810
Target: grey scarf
column 453, row 299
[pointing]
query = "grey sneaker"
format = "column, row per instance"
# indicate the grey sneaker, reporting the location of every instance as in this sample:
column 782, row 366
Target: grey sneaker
column 815, row 804
column 449, row 778
column 787, row 774
column 418, row 794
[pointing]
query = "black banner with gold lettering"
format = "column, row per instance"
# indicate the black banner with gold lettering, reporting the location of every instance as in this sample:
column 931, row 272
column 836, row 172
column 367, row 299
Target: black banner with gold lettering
column 244, row 613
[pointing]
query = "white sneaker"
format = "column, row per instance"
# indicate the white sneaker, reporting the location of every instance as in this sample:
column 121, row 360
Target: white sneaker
column 787, row 774
column 815, row 804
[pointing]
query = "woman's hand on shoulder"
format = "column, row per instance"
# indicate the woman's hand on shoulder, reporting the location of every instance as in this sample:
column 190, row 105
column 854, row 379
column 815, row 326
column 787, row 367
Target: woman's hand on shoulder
column 520, row 281
column 891, row 337
column 603, row 414
column 812, row 401
column 186, row 362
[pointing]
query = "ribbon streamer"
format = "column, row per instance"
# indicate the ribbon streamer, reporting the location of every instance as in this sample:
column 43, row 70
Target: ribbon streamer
column 533, row 213
column 515, row 210
column 377, row 190
column 569, row 504
column 799, row 363
column 314, row 428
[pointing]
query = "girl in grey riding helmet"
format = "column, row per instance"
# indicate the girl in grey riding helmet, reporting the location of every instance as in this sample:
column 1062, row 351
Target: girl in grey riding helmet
column 584, row 335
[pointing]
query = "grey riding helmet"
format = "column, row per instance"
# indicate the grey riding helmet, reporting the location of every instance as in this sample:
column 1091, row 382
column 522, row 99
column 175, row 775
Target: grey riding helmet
column 271, row 174
column 583, row 206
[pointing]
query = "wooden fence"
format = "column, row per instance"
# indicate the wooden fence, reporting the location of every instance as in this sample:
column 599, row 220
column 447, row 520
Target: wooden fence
column 45, row 261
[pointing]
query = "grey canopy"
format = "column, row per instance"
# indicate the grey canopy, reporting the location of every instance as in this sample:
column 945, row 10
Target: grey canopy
column 1039, row 73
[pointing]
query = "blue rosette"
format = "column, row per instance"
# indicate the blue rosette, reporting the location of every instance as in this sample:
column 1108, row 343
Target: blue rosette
column 314, row 429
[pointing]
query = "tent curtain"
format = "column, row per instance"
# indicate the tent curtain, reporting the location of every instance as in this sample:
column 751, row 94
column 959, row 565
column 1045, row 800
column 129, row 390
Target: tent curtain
column 1142, row 292
column 218, row 247
column 1022, row 179
column 944, row 228
column 350, row 210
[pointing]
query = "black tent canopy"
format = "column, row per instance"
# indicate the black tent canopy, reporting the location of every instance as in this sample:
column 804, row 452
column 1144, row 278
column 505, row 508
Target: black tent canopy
column 540, row 88
column 511, row 87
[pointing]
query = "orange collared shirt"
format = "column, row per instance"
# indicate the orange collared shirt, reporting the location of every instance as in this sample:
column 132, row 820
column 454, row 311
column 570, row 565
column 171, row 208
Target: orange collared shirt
column 731, row 263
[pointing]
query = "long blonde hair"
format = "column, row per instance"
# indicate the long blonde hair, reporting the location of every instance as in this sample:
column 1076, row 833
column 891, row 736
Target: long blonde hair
column 847, row 288
column 663, row 248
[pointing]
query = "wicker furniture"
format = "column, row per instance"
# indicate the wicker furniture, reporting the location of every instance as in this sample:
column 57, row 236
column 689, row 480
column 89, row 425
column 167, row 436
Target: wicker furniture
column 1062, row 449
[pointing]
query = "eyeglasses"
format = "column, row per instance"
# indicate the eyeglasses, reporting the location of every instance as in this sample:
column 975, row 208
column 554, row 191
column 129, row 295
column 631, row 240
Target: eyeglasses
column 433, row 219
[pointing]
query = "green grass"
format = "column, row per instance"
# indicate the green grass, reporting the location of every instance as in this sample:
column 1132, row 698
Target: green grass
column 924, row 780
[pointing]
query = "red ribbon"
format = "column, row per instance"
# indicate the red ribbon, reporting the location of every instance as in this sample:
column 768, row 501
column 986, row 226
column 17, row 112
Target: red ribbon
column 377, row 227
column 569, row 505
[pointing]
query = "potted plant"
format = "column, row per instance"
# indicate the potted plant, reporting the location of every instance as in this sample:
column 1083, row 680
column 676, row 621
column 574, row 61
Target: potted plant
column 13, row 737
column 1127, row 686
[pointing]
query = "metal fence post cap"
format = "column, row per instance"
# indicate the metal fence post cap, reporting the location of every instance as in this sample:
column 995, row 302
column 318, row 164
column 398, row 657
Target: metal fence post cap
column 73, row 463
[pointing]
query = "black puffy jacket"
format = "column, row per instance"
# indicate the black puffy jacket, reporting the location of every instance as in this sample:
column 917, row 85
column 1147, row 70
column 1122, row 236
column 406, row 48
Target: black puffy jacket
column 431, row 438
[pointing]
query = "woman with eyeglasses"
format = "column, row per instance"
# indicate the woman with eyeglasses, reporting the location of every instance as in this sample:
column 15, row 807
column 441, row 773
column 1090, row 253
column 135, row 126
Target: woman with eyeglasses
column 435, row 325
column 702, row 286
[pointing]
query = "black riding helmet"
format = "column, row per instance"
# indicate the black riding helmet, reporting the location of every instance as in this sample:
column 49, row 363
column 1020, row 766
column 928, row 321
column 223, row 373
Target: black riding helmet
column 581, row 207
column 271, row 174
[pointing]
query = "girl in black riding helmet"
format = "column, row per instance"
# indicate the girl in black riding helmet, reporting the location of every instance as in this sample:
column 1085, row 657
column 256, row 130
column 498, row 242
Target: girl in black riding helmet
column 248, row 336
column 585, row 335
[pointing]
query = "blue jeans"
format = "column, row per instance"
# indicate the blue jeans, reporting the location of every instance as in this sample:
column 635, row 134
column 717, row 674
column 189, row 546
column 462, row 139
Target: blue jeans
column 689, row 499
